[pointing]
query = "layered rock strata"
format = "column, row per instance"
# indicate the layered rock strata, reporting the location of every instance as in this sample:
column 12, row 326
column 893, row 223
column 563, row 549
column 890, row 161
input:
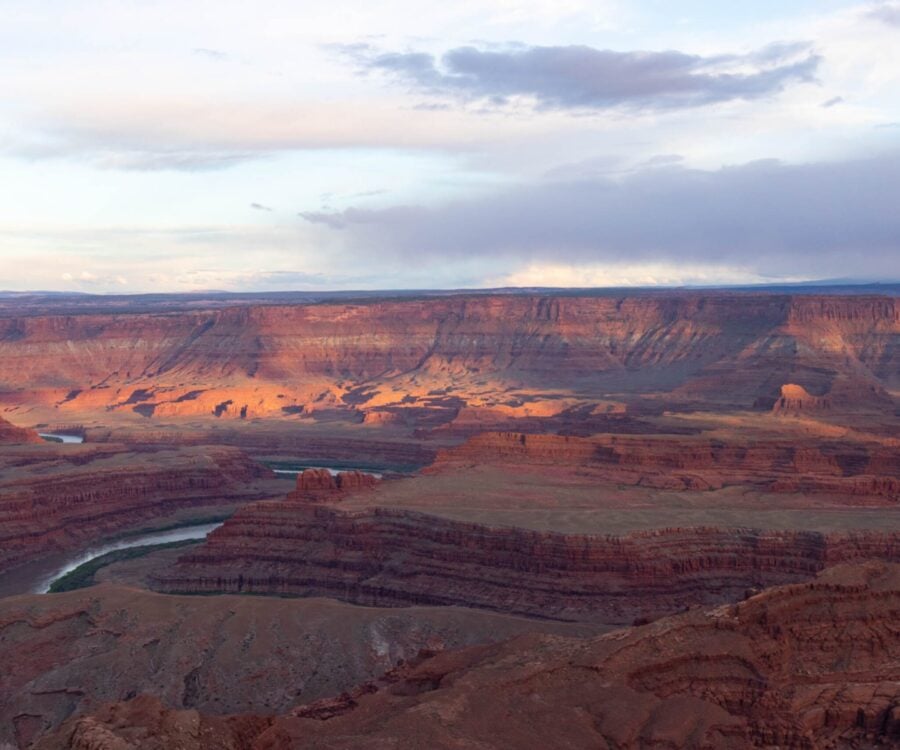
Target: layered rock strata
column 422, row 361
column 322, row 485
column 389, row 557
column 54, row 498
column 303, row 446
column 850, row 468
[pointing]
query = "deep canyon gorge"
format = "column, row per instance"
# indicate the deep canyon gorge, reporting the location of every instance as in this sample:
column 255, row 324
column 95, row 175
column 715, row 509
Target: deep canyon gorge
column 646, row 520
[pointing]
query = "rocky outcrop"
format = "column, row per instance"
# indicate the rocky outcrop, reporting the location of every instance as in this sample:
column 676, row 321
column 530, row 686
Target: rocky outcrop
column 12, row 435
column 54, row 498
column 389, row 557
column 796, row 399
column 349, row 361
column 777, row 464
column 321, row 484
column 814, row 665
column 64, row 653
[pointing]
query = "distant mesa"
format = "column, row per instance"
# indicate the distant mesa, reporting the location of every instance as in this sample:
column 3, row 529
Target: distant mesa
column 795, row 398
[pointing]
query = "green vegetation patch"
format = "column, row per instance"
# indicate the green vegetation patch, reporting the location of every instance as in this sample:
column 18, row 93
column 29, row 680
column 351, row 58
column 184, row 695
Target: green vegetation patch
column 83, row 575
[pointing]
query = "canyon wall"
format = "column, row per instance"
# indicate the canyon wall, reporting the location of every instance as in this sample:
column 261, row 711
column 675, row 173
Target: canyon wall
column 727, row 349
column 374, row 451
column 847, row 467
column 12, row 435
column 54, row 498
column 388, row 557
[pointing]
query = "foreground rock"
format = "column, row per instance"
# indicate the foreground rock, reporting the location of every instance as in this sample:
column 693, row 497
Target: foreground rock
column 65, row 653
column 814, row 665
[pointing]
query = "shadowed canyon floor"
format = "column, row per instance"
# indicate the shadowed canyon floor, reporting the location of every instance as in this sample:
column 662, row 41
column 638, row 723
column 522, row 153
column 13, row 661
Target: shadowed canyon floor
column 813, row 665
column 550, row 465
column 67, row 652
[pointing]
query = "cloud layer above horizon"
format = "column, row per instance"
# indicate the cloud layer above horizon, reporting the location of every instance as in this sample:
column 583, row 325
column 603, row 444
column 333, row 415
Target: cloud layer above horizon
column 483, row 143
column 582, row 78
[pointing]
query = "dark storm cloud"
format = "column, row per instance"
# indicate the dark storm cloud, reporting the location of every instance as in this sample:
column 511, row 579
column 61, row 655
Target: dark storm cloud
column 585, row 78
column 816, row 219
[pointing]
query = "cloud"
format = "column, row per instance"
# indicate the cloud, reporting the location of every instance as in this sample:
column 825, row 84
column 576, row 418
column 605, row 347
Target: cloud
column 888, row 12
column 355, row 217
column 211, row 54
column 369, row 193
column 208, row 134
column 833, row 102
column 769, row 217
column 578, row 77
column 260, row 207
column 646, row 274
column 108, row 151
column 90, row 279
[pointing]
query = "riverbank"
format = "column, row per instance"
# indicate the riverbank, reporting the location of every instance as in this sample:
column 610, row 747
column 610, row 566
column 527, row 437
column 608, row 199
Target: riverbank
column 177, row 534
column 85, row 574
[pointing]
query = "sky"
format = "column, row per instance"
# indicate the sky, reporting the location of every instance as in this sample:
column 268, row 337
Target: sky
column 161, row 146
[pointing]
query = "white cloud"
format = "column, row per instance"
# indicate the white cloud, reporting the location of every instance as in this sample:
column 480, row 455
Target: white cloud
column 136, row 135
column 551, row 274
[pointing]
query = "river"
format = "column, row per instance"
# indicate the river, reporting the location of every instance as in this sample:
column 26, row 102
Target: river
column 35, row 577
column 53, row 437
column 155, row 537
column 333, row 472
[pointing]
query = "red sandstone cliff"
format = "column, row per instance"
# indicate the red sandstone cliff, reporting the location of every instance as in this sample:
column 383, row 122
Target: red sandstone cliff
column 802, row 667
column 54, row 498
column 322, row 485
column 391, row 557
column 12, row 435
column 304, row 360
column 778, row 464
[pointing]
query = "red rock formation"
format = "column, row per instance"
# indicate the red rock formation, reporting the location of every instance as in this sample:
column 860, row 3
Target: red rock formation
column 54, row 498
column 12, row 435
column 348, row 481
column 315, row 480
column 63, row 653
column 391, row 557
column 796, row 399
column 348, row 359
column 815, row 665
column 844, row 467
column 321, row 484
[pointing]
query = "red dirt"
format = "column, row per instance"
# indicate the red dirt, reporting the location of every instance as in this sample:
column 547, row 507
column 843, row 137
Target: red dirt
column 806, row 666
